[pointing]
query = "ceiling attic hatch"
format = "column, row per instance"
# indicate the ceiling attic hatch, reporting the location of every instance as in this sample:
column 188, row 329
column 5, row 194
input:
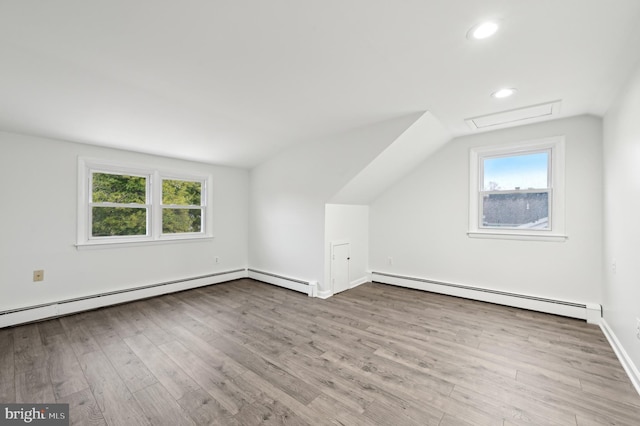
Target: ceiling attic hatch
column 515, row 117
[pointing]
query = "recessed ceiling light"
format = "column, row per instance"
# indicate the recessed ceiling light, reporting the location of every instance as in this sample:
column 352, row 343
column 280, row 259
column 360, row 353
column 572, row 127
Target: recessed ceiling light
column 504, row 93
column 483, row 30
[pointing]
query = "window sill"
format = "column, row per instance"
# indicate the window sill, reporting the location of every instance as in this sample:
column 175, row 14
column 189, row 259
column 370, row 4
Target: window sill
column 93, row 245
column 558, row 238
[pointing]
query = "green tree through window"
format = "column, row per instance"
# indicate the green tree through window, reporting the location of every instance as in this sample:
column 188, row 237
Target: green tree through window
column 181, row 206
column 118, row 205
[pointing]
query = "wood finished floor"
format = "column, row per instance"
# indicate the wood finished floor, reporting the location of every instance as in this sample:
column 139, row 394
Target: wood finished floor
column 245, row 353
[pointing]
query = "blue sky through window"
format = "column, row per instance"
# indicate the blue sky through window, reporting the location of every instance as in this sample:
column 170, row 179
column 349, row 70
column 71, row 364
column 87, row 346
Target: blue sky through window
column 519, row 171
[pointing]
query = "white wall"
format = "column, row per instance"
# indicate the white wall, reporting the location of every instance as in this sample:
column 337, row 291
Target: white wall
column 622, row 218
column 348, row 223
column 422, row 222
column 38, row 217
column 288, row 195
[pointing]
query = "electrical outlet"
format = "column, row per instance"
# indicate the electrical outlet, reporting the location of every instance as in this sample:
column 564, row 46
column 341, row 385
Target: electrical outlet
column 614, row 267
column 389, row 260
column 38, row 275
column 217, row 259
column 638, row 328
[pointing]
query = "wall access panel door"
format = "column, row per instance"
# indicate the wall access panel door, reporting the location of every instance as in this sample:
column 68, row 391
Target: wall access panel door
column 340, row 266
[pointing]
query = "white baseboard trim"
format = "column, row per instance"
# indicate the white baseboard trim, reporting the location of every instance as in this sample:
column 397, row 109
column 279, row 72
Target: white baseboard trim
column 325, row 294
column 359, row 281
column 308, row 287
column 65, row 307
column 627, row 363
column 353, row 284
column 557, row 307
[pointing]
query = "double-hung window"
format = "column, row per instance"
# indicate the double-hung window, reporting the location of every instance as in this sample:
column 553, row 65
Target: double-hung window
column 122, row 204
column 119, row 204
column 517, row 190
column 182, row 206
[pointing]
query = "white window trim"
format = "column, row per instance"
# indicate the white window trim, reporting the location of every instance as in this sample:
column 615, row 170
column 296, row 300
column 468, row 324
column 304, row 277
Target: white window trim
column 158, row 207
column 154, row 198
column 557, row 231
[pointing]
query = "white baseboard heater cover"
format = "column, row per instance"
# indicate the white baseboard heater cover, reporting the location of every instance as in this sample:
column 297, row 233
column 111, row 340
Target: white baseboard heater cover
column 308, row 287
column 69, row 306
column 589, row 312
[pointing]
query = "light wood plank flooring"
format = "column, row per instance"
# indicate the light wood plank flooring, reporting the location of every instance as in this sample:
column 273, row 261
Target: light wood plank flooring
column 245, row 353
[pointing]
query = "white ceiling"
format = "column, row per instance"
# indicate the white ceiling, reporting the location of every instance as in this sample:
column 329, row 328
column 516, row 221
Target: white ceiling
column 235, row 81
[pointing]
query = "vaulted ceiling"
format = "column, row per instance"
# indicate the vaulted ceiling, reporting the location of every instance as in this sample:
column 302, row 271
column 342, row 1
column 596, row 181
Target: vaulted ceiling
column 235, row 81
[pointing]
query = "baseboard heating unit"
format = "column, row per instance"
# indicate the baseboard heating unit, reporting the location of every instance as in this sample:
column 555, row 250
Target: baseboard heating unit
column 590, row 312
column 85, row 303
column 308, row 287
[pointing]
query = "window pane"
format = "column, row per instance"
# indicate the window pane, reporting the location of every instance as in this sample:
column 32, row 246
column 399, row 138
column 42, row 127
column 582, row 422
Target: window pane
column 528, row 171
column 176, row 221
column 516, row 210
column 118, row 221
column 112, row 188
column 181, row 192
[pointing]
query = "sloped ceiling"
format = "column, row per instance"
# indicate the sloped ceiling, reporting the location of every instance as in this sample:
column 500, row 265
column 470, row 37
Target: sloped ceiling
column 236, row 81
column 405, row 153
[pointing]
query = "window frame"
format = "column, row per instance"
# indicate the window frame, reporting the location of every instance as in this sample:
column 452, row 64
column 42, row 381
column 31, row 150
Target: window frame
column 555, row 146
column 91, row 204
column 87, row 167
column 548, row 189
column 161, row 206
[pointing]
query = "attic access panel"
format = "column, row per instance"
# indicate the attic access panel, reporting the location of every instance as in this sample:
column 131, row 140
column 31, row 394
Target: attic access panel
column 516, row 116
